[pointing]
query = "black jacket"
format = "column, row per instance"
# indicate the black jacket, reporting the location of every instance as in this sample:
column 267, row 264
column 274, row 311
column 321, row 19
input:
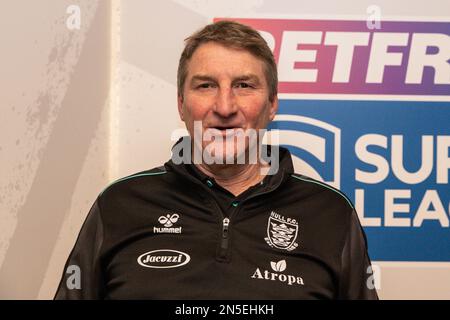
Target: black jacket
column 168, row 233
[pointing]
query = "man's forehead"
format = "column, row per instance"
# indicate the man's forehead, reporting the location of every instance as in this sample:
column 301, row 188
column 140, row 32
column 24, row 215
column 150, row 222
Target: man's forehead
column 202, row 69
column 211, row 52
column 214, row 46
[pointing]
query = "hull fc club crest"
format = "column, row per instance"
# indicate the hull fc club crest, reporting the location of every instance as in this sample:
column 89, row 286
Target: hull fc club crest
column 281, row 232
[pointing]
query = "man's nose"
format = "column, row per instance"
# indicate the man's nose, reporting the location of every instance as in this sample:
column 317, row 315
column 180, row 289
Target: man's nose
column 225, row 105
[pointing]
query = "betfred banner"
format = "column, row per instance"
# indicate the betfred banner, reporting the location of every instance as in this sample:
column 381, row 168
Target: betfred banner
column 339, row 56
column 367, row 110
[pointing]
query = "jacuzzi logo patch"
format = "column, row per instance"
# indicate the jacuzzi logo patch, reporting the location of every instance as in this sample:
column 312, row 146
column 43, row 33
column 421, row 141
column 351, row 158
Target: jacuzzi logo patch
column 164, row 258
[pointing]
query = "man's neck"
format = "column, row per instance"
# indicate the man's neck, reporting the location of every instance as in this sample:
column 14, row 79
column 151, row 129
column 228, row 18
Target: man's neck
column 235, row 178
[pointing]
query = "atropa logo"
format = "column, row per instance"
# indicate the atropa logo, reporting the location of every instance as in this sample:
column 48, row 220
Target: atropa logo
column 163, row 258
column 315, row 146
column 278, row 267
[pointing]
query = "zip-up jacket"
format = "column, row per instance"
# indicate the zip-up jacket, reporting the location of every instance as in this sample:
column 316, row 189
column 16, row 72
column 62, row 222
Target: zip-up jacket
column 173, row 233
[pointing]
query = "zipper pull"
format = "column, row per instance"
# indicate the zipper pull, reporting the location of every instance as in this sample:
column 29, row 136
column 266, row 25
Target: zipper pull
column 223, row 253
column 225, row 223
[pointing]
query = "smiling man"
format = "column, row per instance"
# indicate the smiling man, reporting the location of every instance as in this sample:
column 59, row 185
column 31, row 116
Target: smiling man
column 226, row 217
column 223, row 89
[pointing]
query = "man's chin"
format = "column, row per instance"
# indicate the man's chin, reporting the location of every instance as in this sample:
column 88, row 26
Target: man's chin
column 223, row 158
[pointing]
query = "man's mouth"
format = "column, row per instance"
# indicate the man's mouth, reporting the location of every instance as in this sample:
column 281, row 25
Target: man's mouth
column 224, row 130
column 224, row 127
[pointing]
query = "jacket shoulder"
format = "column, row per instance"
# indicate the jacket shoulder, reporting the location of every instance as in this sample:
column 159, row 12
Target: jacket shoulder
column 322, row 187
column 132, row 180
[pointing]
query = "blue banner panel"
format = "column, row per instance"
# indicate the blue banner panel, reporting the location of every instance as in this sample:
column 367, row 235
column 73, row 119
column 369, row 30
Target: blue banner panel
column 392, row 160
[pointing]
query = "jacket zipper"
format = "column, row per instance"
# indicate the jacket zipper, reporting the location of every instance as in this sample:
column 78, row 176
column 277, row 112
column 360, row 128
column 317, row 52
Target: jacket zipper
column 224, row 242
column 226, row 222
column 224, row 239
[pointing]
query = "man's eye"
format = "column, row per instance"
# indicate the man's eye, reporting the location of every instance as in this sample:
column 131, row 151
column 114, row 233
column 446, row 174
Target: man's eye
column 243, row 85
column 205, row 86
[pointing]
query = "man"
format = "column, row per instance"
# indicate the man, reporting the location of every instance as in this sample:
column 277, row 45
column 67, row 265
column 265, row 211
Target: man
column 211, row 223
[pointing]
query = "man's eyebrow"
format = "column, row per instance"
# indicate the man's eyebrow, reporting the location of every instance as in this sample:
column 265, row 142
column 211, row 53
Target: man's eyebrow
column 200, row 77
column 253, row 78
column 247, row 77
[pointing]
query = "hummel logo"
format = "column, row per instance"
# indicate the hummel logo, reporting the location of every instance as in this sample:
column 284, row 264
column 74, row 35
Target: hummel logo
column 279, row 266
column 168, row 221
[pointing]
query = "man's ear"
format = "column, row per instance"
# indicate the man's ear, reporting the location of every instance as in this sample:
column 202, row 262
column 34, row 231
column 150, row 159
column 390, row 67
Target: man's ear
column 180, row 106
column 273, row 108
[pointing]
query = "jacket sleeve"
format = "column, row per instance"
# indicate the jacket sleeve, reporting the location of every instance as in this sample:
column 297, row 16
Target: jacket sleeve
column 82, row 275
column 356, row 279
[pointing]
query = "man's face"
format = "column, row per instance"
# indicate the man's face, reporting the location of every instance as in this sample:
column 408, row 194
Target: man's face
column 225, row 89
